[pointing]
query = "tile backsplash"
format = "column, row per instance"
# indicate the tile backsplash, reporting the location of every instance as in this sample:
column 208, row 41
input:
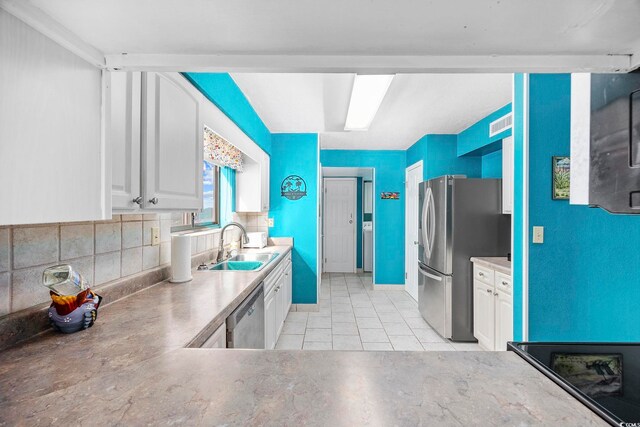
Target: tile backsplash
column 102, row 251
column 253, row 221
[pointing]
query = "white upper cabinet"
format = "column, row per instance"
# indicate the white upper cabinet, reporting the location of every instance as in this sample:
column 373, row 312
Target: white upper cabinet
column 172, row 143
column 123, row 135
column 507, row 175
column 155, row 131
column 252, row 185
column 265, row 164
column 54, row 164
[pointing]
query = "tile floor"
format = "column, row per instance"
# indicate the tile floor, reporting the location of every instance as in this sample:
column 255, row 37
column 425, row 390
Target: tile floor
column 352, row 316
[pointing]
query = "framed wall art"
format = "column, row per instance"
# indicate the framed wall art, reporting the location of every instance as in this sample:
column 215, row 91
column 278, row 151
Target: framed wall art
column 560, row 180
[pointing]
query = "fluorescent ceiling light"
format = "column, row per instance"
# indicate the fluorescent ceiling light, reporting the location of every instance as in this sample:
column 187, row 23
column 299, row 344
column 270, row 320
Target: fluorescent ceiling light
column 366, row 96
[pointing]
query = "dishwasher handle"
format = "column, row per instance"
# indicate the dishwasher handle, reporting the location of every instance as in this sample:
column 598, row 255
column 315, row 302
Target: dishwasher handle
column 246, row 307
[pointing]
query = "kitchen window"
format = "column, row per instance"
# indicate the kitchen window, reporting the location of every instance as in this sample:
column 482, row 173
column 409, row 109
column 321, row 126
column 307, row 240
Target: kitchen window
column 210, row 214
column 218, row 154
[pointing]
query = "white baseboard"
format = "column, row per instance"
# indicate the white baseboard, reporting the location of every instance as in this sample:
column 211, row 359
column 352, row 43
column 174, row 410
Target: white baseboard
column 398, row 287
column 305, row 307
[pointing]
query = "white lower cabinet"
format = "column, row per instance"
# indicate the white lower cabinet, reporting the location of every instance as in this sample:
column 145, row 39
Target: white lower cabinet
column 504, row 320
column 492, row 308
column 270, row 330
column 483, row 314
column 218, row 339
column 280, row 304
column 277, row 300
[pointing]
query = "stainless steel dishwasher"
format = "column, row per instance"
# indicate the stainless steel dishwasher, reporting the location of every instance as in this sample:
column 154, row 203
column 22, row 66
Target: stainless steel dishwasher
column 245, row 326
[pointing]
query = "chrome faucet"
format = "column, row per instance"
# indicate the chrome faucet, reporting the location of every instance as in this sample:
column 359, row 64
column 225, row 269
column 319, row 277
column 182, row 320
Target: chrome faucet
column 245, row 239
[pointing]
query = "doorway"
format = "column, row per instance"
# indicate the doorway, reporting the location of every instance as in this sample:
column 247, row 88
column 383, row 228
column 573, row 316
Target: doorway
column 413, row 179
column 340, row 224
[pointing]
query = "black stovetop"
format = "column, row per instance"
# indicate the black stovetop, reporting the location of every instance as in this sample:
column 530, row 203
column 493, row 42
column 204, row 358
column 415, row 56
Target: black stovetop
column 603, row 376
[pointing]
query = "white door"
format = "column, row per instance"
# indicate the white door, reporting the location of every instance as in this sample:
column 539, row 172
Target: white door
column 172, row 144
column 340, row 225
column 413, row 179
column 123, row 134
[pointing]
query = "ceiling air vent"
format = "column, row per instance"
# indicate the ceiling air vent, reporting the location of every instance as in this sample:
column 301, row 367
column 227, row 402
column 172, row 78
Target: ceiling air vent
column 500, row 125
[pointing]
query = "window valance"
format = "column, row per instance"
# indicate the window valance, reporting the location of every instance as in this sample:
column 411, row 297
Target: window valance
column 221, row 152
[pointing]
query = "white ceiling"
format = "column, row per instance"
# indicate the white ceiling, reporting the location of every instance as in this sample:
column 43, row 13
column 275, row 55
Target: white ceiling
column 338, row 27
column 365, row 173
column 337, row 36
column 415, row 105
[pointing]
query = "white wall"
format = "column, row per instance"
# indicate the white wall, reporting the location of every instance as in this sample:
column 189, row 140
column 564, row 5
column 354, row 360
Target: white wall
column 53, row 164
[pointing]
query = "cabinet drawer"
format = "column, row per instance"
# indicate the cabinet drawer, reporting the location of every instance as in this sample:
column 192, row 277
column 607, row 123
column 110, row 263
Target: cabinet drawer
column 503, row 282
column 483, row 274
column 273, row 277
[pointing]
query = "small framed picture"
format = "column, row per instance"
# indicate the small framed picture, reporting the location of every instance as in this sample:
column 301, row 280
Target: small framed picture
column 390, row 195
column 560, row 167
column 596, row 375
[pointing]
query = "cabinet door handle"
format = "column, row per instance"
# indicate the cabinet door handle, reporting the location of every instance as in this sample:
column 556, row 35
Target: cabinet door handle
column 505, row 283
column 481, row 274
column 153, row 201
column 137, row 200
column 495, row 294
column 490, row 291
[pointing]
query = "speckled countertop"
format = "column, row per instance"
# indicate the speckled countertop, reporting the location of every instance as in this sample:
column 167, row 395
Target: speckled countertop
column 501, row 264
column 132, row 368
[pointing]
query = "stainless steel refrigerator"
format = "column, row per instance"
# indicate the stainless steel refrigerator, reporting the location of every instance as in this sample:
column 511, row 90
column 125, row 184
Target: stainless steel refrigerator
column 458, row 218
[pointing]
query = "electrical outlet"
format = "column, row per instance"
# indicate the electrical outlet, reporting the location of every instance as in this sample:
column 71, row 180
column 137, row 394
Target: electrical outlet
column 538, row 234
column 155, row 236
column 270, row 222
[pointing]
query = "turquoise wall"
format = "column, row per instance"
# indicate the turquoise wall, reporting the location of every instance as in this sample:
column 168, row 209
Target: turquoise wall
column 297, row 154
column 583, row 280
column 389, row 169
column 439, row 157
column 220, row 89
column 475, row 139
column 359, row 224
column 517, row 214
column 492, row 165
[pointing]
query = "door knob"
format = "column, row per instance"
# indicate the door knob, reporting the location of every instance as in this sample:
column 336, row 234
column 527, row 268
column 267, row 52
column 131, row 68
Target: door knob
column 350, row 221
column 137, row 200
column 415, row 242
column 153, row 201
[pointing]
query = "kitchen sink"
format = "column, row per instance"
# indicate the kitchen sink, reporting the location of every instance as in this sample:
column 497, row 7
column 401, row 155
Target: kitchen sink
column 245, row 262
column 261, row 257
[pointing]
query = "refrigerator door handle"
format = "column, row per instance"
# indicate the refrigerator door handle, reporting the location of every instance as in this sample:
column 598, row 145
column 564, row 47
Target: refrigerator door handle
column 432, row 221
column 431, row 276
column 425, row 235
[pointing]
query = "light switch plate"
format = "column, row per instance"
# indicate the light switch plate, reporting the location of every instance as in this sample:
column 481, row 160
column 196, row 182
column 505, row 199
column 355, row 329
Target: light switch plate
column 538, row 234
column 155, row 236
column 270, row 222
